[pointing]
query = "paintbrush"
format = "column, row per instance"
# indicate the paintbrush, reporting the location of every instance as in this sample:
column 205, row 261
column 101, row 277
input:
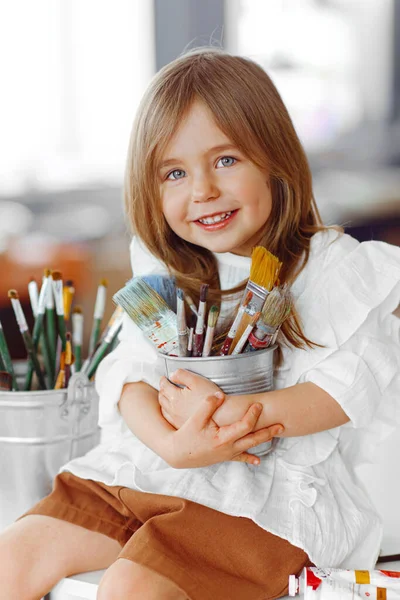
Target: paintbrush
column 211, row 324
column 151, row 314
column 117, row 312
column 6, row 358
column 183, row 331
column 276, row 309
column 191, row 305
column 37, row 334
column 50, row 320
column 165, row 286
column 26, row 336
column 68, row 296
column 104, row 347
column 234, row 327
column 61, row 373
column 68, row 360
column 59, row 303
column 198, row 338
column 192, row 326
column 264, row 272
column 33, row 295
column 98, row 315
column 245, row 335
column 77, row 336
column 6, row 381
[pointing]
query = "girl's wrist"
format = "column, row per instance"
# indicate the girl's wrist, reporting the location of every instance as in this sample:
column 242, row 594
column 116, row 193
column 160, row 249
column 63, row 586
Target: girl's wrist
column 233, row 409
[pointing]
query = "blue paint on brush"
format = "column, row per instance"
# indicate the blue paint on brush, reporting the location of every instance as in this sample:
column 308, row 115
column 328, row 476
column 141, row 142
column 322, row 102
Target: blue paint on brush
column 165, row 286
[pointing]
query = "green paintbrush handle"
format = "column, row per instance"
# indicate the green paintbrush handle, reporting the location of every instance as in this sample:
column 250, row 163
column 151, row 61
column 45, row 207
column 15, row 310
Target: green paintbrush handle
column 62, row 331
column 78, row 358
column 48, row 363
column 94, row 336
column 51, row 332
column 33, row 359
column 2, row 365
column 36, row 334
column 6, row 359
column 97, row 358
column 37, row 329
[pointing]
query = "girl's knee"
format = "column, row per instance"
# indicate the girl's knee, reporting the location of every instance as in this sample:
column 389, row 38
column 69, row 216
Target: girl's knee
column 126, row 579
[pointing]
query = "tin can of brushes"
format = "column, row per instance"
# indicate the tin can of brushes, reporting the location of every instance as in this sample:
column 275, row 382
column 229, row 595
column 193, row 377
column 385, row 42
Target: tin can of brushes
column 248, row 373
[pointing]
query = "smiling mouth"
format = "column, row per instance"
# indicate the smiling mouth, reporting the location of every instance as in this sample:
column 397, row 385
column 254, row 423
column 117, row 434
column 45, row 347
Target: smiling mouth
column 216, row 218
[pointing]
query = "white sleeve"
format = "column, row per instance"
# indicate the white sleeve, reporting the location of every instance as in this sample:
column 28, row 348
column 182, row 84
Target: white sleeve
column 134, row 359
column 359, row 363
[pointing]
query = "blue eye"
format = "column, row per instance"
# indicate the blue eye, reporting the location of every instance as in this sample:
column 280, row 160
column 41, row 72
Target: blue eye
column 227, row 161
column 177, row 174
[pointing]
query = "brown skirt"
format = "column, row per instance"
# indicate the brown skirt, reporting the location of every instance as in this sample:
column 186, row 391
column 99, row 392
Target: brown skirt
column 206, row 553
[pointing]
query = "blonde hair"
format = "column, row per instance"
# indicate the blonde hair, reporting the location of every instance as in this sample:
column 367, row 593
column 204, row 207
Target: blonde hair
column 248, row 109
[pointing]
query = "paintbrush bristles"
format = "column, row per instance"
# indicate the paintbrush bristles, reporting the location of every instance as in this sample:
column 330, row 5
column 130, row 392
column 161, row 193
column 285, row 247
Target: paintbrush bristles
column 47, row 272
column 57, row 275
column 13, row 294
column 104, row 282
column 265, row 267
column 77, row 310
column 143, row 305
column 276, row 307
column 212, row 316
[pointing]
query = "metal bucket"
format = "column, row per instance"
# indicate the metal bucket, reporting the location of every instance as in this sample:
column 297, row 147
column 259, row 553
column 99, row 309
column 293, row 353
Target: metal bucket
column 39, row 432
column 248, row 373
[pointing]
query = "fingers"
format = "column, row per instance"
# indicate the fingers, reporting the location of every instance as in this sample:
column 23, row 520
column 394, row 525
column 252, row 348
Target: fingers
column 242, row 434
column 166, row 387
column 206, row 410
column 186, row 378
column 248, row 458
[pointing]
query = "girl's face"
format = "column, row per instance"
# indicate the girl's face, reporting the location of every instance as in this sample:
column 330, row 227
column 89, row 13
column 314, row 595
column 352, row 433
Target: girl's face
column 211, row 194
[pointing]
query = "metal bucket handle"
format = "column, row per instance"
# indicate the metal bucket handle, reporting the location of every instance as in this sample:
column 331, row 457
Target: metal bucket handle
column 78, row 393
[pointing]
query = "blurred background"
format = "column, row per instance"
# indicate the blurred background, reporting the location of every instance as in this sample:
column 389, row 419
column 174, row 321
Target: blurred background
column 73, row 72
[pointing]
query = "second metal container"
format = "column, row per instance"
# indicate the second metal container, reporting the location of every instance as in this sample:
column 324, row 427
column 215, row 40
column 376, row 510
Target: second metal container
column 39, row 432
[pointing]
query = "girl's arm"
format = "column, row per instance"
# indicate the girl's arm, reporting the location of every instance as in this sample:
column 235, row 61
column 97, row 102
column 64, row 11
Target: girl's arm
column 200, row 441
column 302, row 409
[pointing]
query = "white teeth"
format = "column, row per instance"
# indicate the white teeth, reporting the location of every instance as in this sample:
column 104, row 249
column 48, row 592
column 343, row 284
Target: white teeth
column 216, row 218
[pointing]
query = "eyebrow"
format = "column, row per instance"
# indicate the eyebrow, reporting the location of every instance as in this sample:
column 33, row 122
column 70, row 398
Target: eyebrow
column 220, row 148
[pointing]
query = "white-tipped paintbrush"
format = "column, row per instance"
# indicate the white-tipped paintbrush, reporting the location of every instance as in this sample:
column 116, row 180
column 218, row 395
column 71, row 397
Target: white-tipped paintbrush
column 264, row 272
column 26, row 336
column 200, row 324
column 276, row 309
column 99, row 308
column 192, row 326
column 59, row 303
column 183, row 331
column 33, row 292
column 37, row 334
column 211, row 324
column 77, row 336
column 51, row 333
column 151, row 314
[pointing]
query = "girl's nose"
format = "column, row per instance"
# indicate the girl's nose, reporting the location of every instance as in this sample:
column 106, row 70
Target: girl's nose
column 204, row 188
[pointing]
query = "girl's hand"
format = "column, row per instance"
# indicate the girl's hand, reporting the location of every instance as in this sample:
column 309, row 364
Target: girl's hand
column 179, row 404
column 200, row 442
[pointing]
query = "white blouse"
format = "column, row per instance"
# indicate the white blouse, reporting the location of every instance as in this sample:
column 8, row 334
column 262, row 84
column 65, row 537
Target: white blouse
column 306, row 490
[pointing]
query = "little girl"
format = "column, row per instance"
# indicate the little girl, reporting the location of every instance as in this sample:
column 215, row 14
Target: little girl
column 171, row 502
